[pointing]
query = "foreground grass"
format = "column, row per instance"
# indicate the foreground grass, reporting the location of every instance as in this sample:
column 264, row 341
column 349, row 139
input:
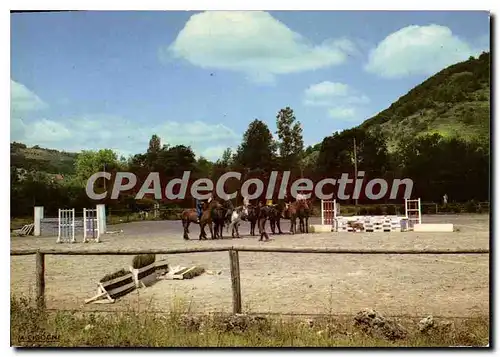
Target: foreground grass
column 32, row 327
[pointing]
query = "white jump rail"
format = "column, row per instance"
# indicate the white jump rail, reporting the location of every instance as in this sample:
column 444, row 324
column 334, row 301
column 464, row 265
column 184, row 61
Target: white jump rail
column 66, row 226
column 91, row 224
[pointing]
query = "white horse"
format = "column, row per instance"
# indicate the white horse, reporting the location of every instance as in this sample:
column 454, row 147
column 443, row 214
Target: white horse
column 236, row 218
column 301, row 197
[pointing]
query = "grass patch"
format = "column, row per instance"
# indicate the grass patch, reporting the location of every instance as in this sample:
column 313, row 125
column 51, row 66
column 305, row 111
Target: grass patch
column 31, row 327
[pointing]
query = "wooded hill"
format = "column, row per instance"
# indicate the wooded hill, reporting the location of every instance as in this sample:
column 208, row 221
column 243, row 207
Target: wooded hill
column 455, row 102
column 41, row 159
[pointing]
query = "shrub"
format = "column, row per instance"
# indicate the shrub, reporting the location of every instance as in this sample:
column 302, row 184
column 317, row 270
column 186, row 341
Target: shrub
column 451, row 208
column 458, row 209
column 429, row 209
column 391, row 210
column 114, row 275
column 471, row 207
column 143, row 260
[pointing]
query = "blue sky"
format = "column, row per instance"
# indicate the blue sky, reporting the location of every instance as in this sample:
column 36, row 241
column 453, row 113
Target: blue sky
column 91, row 80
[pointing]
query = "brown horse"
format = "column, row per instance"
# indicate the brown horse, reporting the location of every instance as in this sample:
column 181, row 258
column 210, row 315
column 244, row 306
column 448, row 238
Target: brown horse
column 252, row 218
column 207, row 218
column 188, row 216
column 298, row 209
column 305, row 214
column 277, row 212
column 218, row 215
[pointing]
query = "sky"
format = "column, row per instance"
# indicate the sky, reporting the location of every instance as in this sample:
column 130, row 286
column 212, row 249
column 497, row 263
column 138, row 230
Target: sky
column 94, row 80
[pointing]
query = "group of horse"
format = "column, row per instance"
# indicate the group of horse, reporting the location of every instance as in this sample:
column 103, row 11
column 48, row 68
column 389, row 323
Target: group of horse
column 214, row 215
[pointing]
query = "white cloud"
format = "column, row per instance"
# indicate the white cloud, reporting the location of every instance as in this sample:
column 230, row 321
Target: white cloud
column 328, row 93
column 94, row 132
column 342, row 112
column 419, row 50
column 340, row 99
column 327, row 88
column 197, row 131
column 214, row 152
column 255, row 43
column 123, row 136
column 49, row 130
column 24, row 100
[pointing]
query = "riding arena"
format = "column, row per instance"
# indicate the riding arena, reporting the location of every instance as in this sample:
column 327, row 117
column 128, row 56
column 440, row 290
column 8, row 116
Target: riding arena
column 278, row 280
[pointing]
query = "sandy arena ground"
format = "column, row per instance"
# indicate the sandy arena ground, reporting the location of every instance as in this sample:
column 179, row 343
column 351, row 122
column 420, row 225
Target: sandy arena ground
column 416, row 285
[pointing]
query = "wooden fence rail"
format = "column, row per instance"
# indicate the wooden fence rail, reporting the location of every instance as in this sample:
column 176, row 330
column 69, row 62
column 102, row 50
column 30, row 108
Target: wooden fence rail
column 233, row 259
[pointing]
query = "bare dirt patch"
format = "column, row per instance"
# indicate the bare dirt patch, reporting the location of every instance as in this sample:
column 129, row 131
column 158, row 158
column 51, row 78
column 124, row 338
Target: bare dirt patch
column 450, row 285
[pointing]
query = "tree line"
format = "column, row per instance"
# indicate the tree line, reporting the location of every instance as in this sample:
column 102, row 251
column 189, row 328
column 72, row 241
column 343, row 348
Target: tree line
column 437, row 166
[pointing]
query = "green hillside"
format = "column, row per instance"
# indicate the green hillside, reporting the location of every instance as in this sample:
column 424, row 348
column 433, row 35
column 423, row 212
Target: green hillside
column 40, row 159
column 453, row 103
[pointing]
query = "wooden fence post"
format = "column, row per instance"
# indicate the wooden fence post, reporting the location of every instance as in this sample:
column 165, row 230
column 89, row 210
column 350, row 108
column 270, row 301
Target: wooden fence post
column 40, row 279
column 235, row 280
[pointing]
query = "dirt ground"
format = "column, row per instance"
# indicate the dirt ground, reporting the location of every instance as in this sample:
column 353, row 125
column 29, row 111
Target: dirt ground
column 416, row 285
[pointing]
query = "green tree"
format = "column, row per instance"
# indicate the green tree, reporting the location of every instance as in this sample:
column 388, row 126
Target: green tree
column 155, row 155
column 291, row 143
column 336, row 154
column 88, row 162
column 173, row 161
column 438, row 165
column 204, row 167
column 226, row 159
column 258, row 149
column 154, row 144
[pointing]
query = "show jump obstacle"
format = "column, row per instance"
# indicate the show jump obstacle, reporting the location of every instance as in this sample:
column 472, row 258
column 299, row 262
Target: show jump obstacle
column 93, row 224
column 66, row 226
column 332, row 221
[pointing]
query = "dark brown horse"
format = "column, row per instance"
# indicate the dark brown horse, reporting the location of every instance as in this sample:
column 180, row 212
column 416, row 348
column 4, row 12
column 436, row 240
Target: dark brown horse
column 218, row 219
column 277, row 212
column 252, row 218
column 188, row 216
column 209, row 213
column 298, row 209
column 304, row 215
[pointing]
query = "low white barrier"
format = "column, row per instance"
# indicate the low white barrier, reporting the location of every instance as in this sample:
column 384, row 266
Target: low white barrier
column 320, row 228
column 433, row 227
column 371, row 223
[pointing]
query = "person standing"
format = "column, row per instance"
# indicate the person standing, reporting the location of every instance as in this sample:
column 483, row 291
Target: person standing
column 199, row 209
column 229, row 209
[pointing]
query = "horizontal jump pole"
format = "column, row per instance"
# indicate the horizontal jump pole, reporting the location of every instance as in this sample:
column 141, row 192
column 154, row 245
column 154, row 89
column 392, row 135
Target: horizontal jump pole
column 119, row 251
column 360, row 251
column 247, row 249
